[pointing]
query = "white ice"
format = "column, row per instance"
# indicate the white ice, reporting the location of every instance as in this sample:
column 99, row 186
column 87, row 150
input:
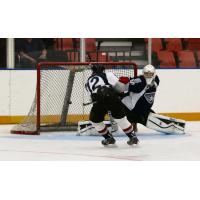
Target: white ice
column 63, row 146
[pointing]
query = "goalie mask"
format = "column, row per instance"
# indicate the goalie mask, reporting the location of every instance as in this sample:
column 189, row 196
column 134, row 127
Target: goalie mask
column 149, row 73
column 97, row 68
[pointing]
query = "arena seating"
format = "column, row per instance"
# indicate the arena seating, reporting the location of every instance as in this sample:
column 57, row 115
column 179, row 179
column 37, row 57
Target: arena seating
column 64, row 44
column 98, row 57
column 186, row 59
column 166, row 59
column 156, row 44
column 73, row 56
column 90, row 44
column 193, row 43
column 173, row 44
column 169, row 52
column 184, row 53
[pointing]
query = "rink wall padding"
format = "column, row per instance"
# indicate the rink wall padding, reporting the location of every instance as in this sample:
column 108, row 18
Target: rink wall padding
column 177, row 96
column 75, row 118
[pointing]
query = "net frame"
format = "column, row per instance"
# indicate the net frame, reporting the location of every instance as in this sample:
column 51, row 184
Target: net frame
column 75, row 66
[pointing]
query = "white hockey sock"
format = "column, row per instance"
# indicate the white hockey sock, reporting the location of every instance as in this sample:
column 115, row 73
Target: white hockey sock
column 100, row 127
column 125, row 125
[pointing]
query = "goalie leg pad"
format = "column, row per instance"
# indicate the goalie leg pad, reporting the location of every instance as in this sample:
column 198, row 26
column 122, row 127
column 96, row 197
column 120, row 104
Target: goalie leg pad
column 165, row 124
column 86, row 128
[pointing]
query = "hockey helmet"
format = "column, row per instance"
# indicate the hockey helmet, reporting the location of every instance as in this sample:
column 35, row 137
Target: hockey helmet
column 97, row 68
column 149, row 73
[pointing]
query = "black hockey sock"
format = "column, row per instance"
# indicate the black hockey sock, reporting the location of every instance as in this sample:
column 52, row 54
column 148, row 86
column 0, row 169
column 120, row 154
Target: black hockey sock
column 131, row 134
column 107, row 135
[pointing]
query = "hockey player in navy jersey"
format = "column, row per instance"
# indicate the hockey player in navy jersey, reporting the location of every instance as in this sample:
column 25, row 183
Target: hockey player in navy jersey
column 139, row 98
column 102, row 87
column 140, row 95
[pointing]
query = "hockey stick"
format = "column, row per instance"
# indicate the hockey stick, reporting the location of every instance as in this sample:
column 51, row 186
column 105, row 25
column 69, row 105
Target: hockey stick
column 88, row 103
column 112, row 121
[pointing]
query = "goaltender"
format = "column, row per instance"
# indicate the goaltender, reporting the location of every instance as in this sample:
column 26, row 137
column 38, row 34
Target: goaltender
column 139, row 98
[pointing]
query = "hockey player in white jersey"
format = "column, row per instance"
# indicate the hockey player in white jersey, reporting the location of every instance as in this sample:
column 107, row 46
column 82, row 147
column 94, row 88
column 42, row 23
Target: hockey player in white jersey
column 139, row 98
column 102, row 87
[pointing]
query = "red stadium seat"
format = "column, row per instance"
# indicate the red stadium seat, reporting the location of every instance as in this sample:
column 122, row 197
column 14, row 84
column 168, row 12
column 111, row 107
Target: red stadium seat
column 166, row 59
column 73, row 56
column 90, row 44
column 186, row 59
column 63, row 44
column 173, row 44
column 67, row 44
column 193, row 40
column 98, row 57
column 193, row 43
column 74, row 43
column 156, row 44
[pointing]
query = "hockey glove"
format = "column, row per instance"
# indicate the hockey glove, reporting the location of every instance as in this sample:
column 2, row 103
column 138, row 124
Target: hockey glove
column 104, row 92
column 124, row 79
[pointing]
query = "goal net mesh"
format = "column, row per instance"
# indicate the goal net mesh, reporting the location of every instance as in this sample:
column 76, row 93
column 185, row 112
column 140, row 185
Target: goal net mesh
column 60, row 95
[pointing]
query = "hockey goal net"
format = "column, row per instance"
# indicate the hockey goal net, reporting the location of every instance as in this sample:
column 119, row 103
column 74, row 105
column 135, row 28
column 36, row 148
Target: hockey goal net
column 60, row 95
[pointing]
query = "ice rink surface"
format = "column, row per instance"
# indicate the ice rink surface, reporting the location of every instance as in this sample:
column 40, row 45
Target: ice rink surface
column 66, row 146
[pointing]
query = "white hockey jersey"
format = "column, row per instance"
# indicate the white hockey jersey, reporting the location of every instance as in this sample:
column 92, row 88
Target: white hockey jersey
column 97, row 80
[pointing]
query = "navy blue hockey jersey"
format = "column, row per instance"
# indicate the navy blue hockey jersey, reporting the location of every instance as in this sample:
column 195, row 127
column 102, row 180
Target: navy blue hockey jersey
column 140, row 96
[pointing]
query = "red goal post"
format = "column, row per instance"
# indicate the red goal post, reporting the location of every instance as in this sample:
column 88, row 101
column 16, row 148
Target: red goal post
column 60, row 95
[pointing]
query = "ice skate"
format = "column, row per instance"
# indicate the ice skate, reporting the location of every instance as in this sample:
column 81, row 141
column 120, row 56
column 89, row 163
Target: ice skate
column 108, row 141
column 133, row 140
